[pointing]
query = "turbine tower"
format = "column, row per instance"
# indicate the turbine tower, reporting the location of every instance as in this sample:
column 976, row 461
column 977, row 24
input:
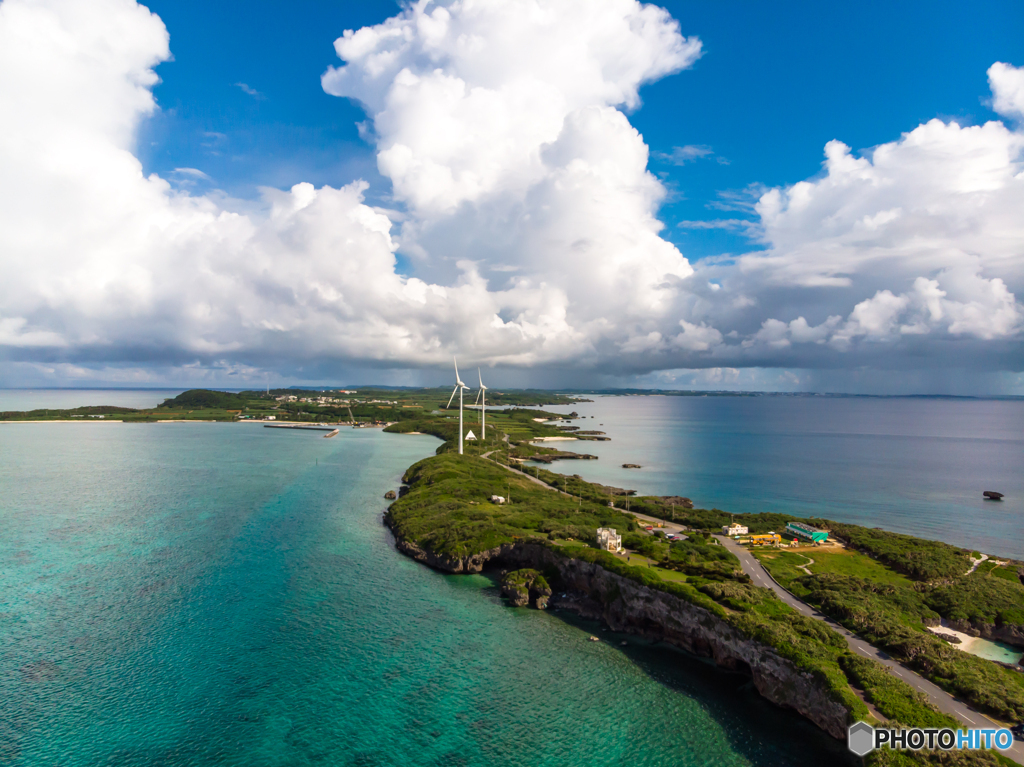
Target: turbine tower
column 481, row 399
column 459, row 386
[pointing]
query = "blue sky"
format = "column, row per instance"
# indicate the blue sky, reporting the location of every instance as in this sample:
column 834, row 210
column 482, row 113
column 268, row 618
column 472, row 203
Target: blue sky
column 775, row 83
column 798, row 195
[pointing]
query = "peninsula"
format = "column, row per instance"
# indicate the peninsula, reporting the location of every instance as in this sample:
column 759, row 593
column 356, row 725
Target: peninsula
column 855, row 630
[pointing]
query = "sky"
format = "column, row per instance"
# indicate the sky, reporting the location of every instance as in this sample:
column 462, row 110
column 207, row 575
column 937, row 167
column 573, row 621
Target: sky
column 574, row 193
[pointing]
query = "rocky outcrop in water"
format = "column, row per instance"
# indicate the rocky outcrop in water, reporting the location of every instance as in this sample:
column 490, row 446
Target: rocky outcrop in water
column 526, row 586
column 390, row 495
column 626, row 606
column 992, row 495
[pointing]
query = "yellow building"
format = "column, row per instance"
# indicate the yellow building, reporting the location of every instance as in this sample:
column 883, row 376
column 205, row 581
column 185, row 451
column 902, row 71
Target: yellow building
column 766, row 539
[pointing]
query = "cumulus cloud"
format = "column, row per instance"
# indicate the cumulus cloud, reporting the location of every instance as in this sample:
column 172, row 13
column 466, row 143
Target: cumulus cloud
column 503, row 113
column 1007, row 83
column 521, row 199
column 918, row 243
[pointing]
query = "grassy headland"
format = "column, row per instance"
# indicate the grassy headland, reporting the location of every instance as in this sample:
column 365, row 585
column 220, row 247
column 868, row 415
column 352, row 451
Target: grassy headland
column 884, row 586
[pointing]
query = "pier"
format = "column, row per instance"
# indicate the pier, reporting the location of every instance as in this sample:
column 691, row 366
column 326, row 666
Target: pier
column 301, row 426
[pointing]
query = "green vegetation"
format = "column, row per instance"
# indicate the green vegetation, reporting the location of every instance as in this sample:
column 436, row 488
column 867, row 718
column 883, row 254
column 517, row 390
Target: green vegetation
column 896, row 700
column 886, row 587
column 979, row 599
column 887, row 597
column 892, row 615
column 197, row 399
column 447, row 511
column 920, row 559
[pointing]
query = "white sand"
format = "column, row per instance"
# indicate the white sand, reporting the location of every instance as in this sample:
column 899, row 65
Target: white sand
column 983, row 648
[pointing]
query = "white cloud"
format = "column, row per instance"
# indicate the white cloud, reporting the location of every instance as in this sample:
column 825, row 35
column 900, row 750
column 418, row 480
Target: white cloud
column 680, row 155
column 521, row 194
column 250, row 91
column 916, row 244
column 1007, row 83
column 480, row 117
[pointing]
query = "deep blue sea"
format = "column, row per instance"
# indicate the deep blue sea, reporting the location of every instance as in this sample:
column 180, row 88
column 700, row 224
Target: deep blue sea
column 911, row 465
column 223, row 594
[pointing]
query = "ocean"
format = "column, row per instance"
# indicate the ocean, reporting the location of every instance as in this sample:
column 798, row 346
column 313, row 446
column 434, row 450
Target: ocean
column 907, row 464
column 200, row 594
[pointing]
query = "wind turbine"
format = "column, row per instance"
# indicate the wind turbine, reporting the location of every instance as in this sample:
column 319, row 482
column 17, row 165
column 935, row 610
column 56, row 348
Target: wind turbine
column 481, row 399
column 459, row 386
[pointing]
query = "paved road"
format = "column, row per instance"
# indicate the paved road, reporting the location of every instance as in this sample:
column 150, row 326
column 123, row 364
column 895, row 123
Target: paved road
column 668, row 527
column 941, row 699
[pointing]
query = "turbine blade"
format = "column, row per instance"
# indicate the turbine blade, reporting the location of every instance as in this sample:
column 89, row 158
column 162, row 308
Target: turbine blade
column 451, row 398
column 456, row 370
column 477, row 400
column 478, row 375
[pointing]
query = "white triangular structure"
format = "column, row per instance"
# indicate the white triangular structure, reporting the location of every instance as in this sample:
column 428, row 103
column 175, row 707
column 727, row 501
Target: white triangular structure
column 470, row 436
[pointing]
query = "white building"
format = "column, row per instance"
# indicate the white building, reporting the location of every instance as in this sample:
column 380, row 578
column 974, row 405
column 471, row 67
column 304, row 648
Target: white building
column 497, row 499
column 608, row 539
column 734, row 529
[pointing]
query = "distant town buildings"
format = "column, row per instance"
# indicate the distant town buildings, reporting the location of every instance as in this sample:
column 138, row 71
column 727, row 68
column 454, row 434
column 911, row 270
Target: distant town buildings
column 734, row 529
column 608, row 539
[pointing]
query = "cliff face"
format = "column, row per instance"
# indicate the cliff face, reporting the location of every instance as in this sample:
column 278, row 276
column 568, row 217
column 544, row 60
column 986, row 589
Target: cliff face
column 629, row 607
column 1011, row 633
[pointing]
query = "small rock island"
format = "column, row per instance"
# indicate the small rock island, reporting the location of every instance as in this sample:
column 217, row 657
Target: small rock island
column 522, row 587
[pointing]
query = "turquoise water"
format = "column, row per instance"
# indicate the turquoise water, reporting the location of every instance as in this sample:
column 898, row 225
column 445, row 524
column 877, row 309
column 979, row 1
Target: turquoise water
column 911, row 465
column 200, row 594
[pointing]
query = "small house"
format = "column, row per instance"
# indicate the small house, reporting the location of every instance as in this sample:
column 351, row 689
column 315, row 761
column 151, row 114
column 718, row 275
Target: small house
column 497, row 499
column 734, row 529
column 766, row 539
column 608, row 539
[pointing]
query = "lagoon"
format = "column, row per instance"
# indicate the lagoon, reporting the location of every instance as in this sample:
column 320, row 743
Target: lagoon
column 198, row 594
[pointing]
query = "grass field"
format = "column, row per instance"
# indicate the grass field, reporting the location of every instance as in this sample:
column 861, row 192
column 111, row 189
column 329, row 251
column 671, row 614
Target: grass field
column 783, row 565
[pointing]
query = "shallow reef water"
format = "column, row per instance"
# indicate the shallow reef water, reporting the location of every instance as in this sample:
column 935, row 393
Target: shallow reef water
column 199, row 594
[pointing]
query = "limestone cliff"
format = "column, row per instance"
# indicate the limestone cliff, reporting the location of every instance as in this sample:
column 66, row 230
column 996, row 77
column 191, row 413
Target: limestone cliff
column 591, row 591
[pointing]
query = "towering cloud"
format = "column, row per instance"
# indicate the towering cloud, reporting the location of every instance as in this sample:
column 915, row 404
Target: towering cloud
column 522, row 200
column 922, row 238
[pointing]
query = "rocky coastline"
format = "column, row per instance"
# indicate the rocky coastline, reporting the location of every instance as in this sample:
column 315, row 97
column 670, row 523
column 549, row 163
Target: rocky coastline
column 591, row 591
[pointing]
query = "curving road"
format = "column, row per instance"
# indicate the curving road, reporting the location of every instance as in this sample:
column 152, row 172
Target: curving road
column 941, row 699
